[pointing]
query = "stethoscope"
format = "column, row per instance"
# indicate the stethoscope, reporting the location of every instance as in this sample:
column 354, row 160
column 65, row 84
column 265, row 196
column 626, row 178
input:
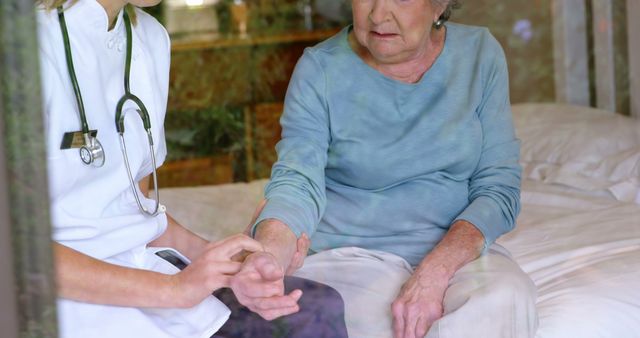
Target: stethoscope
column 91, row 152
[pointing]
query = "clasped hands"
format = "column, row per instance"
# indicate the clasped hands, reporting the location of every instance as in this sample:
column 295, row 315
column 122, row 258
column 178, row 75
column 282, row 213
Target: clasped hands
column 259, row 284
column 242, row 264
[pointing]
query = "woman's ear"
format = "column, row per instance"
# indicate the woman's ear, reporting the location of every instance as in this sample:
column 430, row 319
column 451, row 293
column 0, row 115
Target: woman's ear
column 439, row 7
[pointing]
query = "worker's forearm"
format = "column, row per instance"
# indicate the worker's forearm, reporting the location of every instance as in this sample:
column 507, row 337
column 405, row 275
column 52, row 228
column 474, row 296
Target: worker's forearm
column 178, row 237
column 277, row 239
column 83, row 278
column 462, row 244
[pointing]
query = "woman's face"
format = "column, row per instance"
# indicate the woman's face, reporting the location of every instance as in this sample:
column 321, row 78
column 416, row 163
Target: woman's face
column 394, row 30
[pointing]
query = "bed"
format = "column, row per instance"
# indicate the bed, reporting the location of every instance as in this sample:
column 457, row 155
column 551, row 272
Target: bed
column 578, row 235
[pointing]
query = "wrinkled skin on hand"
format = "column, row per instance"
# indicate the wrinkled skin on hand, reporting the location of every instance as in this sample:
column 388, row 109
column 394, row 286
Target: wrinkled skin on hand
column 259, row 285
column 302, row 244
column 211, row 270
column 418, row 305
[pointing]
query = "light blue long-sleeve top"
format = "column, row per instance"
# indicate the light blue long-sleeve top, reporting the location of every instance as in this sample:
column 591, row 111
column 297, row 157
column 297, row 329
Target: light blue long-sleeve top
column 372, row 162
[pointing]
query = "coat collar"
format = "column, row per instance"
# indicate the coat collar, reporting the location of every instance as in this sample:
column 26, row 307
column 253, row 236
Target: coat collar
column 91, row 15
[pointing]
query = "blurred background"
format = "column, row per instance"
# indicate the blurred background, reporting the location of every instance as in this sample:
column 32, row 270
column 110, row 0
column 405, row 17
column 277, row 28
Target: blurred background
column 231, row 61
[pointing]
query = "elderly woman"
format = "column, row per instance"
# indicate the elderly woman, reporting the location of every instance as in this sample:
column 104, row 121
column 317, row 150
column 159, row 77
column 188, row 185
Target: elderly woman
column 398, row 158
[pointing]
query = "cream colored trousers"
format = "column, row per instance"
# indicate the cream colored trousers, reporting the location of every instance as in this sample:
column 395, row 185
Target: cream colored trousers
column 489, row 297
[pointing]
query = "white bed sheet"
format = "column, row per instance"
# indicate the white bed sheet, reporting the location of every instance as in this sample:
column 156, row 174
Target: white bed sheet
column 582, row 251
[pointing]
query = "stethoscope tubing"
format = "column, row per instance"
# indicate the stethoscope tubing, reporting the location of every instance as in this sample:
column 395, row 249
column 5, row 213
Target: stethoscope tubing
column 72, row 71
column 119, row 115
column 157, row 208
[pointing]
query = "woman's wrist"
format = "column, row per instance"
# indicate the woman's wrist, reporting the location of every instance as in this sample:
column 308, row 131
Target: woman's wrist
column 462, row 244
column 437, row 275
column 278, row 240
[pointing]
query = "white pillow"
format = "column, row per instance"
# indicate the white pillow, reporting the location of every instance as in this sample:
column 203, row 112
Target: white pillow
column 581, row 147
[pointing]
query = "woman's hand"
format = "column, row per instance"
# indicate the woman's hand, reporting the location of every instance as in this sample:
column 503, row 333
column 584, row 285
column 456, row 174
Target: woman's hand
column 302, row 248
column 259, row 285
column 302, row 243
column 418, row 305
column 210, row 271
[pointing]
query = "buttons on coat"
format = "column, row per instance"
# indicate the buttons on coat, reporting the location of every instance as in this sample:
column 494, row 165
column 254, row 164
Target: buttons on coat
column 119, row 44
column 116, row 43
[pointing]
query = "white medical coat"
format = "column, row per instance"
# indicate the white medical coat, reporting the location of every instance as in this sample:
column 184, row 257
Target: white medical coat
column 93, row 209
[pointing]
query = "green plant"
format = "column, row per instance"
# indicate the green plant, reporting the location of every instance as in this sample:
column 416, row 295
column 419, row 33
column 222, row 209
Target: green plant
column 224, row 16
column 204, row 132
column 265, row 17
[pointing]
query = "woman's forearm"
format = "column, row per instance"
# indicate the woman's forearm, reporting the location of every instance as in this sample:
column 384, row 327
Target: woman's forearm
column 277, row 239
column 83, row 278
column 462, row 244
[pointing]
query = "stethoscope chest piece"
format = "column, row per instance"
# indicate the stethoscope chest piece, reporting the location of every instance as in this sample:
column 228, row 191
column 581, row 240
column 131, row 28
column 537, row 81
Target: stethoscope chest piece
column 92, row 152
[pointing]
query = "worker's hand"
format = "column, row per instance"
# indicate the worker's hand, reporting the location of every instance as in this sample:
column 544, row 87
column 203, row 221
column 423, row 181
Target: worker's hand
column 210, row 271
column 260, row 287
column 418, row 305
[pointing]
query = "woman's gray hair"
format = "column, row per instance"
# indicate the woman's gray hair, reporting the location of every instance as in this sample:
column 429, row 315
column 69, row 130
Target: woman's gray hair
column 449, row 5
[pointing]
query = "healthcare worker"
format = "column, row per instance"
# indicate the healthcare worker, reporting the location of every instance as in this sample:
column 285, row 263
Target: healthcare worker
column 105, row 75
